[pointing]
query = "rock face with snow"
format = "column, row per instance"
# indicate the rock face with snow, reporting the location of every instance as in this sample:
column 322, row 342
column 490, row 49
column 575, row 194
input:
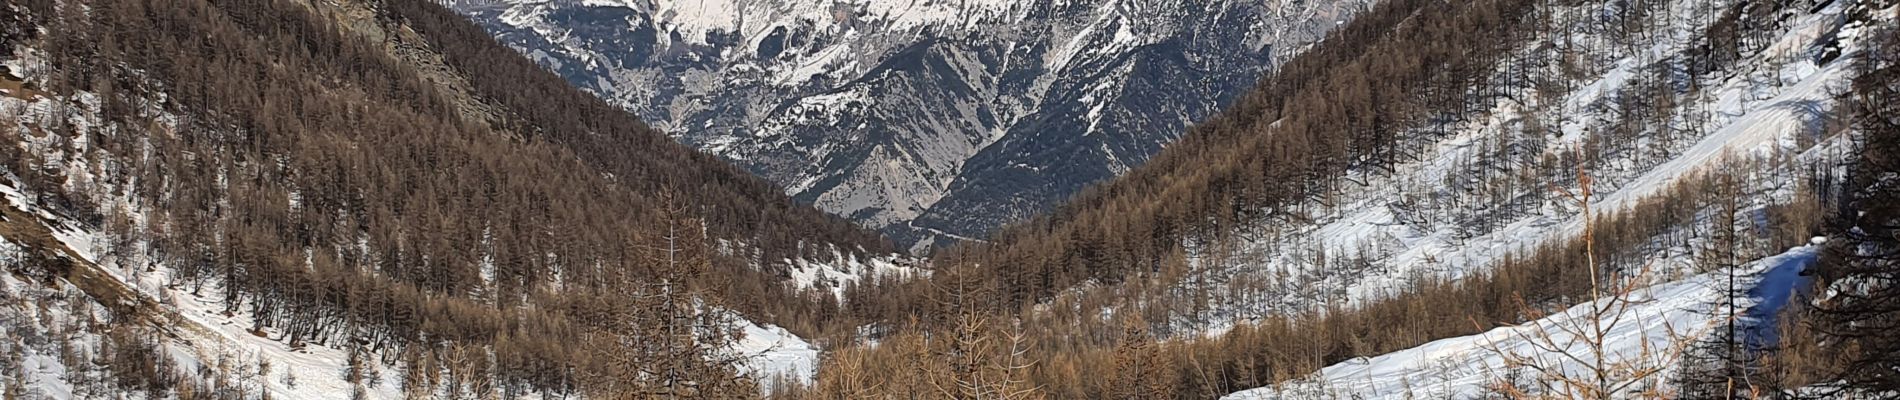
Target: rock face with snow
column 924, row 118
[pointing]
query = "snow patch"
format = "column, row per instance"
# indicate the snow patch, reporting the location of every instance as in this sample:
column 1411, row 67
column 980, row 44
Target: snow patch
column 1661, row 317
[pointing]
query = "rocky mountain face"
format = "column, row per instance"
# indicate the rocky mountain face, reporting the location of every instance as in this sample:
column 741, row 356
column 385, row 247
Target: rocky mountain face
column 927, row 119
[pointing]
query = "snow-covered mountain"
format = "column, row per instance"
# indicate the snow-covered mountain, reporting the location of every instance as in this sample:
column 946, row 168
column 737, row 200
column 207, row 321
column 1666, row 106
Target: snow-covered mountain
column 85, row 291
column 1766, row 114
column 1439, row 216
column 930, row 119
column 922, row 118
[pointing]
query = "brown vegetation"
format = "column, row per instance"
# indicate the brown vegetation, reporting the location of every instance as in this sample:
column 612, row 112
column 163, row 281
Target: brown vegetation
column 330, row 190
column 1521, row 287
column 1312, row 131
column 1861, row 311
column 306, row 177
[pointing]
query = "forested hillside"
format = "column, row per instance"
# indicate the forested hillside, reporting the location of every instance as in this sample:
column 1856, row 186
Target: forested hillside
column 1862, row 268
column 1428, row 172
column 375, row 181
column 1601, row 199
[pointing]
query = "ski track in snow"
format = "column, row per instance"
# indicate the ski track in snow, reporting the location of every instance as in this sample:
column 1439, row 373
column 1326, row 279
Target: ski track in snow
column 772, row 353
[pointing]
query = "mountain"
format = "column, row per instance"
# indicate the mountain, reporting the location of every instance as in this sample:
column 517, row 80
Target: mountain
column 1601, row 199
column 373, row 199
column 1497, row 198
column 923, row 119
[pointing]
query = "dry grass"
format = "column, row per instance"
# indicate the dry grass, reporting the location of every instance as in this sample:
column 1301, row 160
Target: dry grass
column 31, row 232
column 16, row 88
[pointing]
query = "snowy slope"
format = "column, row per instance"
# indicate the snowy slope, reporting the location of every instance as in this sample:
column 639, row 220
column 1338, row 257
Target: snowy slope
column 1652, row 332
column 202, row 333
column 1476, row 193
column 37, row 319
column 773, row 354
column 1768, row 110
column 923, row 118
column 842, row 270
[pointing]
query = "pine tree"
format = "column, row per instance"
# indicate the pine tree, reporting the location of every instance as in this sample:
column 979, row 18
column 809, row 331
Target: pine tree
column 1861, row 261
column 1142, row 371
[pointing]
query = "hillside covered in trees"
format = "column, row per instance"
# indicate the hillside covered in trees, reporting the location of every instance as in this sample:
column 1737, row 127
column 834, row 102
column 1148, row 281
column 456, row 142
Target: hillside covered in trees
column 1487, row 199
column 1436, row 171
column 377, row 180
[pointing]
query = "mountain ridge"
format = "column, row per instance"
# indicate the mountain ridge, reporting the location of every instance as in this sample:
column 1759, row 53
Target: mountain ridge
column 913, row 117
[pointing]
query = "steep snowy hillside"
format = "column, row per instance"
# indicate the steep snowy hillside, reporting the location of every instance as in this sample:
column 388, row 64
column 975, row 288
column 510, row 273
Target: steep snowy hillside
column 1483, row 189
column 923, row 119
column 57, row 338
column 257, row 232
column 63, row 341
column 1769, row 119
